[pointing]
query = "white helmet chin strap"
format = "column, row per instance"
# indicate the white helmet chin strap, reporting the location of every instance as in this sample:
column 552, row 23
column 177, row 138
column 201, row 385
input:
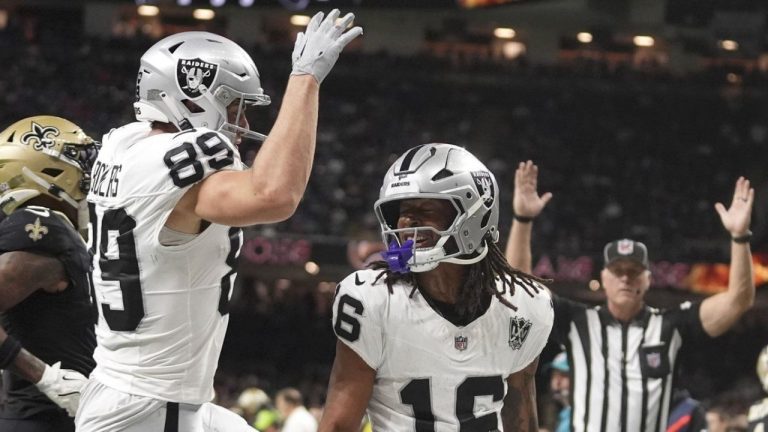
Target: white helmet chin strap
column 50, row 187
column 467, row 261
column 426, row 260
column 181, row 122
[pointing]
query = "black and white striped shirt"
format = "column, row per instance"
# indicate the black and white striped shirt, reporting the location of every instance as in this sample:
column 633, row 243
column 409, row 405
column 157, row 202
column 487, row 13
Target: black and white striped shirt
column 621, row 374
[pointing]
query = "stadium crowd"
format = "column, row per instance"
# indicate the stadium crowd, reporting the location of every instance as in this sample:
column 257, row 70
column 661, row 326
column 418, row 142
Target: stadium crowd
column 636, row 153
column 616, row 133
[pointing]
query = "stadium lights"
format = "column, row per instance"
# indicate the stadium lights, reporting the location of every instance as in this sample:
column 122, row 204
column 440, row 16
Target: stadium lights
column 504, row 33
column 148, row 10
column 218, row 3
column 513, row 49
column 312, row 268
column 643, row 41
column 584, row 37
column 300, row 20
column 246, row 3
column 184, row 2
column 729, row 45
column 204, row 14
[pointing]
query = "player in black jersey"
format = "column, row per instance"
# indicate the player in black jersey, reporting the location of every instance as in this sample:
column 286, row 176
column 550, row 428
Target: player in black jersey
column 47, row 334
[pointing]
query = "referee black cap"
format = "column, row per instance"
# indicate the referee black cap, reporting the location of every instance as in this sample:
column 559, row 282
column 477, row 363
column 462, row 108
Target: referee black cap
column 626, row 249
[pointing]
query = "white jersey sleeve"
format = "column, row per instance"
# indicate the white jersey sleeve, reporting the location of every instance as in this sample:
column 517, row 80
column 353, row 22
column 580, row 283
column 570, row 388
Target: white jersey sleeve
column 530, row 325
column 357, row 315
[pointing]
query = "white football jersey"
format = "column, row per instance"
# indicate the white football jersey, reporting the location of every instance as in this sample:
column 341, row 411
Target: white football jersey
column 430, row 373
column 163, row 310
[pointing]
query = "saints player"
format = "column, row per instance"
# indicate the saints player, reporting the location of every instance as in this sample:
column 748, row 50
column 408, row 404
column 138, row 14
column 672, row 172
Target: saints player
column 758, row 412
column 448, row 336
column 167, row 196
column 47, row 337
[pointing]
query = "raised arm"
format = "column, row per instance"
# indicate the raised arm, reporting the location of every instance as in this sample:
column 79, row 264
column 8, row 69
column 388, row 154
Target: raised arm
column 270, row 191
column 527, row 205
column 21, row 274
column 349, row 391
column 519, row 412
column 721, row 311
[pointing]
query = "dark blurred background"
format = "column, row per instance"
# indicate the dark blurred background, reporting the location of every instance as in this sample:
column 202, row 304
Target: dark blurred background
column 641, row 114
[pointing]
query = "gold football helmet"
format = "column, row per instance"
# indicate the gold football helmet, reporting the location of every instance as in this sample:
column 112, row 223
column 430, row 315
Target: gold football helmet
column 762, row 367
column 45, row 155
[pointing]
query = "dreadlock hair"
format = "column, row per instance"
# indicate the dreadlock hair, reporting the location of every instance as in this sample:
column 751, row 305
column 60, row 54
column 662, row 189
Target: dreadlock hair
column 479, row 282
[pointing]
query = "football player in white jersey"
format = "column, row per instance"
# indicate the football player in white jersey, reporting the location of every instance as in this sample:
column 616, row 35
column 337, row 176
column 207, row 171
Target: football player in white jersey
column 167, row 195
column 443, row 335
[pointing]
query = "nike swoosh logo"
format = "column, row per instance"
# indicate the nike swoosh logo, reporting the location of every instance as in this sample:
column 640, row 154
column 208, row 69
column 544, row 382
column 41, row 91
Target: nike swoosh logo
column 65, row 378
column 358, row 282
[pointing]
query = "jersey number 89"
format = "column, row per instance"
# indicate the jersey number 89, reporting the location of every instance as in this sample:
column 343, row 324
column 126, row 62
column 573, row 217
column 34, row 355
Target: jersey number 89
column 186, row 169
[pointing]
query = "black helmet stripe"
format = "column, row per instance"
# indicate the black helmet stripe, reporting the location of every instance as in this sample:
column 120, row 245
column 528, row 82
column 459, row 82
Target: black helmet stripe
column 406, row 165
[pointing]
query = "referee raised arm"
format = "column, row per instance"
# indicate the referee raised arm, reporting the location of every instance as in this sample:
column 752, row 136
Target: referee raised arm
column 623, row 353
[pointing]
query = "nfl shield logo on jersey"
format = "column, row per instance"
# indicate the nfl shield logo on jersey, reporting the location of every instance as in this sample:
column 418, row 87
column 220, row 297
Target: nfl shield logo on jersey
column 460, row 343
column 654, row 359
column 195, row 76
column 518, row 332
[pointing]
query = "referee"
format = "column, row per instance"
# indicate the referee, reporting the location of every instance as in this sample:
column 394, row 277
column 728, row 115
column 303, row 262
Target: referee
column 623, row 353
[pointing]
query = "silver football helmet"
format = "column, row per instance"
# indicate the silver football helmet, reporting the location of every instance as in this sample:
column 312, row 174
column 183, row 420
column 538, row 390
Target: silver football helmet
column 762, row 367
column 189, row 79
column 445, row 172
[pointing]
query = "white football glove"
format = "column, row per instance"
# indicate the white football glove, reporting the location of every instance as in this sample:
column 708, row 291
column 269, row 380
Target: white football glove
column 62, row 386
column 317, row 50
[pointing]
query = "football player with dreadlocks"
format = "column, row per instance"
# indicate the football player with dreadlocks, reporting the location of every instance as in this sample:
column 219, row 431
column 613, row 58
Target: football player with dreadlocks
column 47, row 335
column 443, row 335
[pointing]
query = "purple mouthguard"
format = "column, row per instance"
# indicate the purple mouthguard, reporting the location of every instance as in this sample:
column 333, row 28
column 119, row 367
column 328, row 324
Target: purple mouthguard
column 397, row 256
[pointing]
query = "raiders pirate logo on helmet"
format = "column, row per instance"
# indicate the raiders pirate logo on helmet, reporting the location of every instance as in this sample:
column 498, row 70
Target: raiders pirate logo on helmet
column 195, row 76
column 484, row 186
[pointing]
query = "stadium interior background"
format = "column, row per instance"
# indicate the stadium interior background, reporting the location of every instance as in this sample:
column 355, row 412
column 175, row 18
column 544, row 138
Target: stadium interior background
column 640, row 114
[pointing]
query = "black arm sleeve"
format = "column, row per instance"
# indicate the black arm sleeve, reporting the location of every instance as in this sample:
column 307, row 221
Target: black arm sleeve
column 687, row 320
column 565, row 310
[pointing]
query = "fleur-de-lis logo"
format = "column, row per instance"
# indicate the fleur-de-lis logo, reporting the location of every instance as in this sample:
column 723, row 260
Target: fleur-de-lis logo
column 40, row 136
column 36, row 230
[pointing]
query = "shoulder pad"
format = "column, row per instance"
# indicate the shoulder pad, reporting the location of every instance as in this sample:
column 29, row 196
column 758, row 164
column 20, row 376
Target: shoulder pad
column 38, row 229
column 364, row 284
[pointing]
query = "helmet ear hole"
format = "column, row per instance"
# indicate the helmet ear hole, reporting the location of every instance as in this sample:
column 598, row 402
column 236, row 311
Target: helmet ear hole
column 451, row 247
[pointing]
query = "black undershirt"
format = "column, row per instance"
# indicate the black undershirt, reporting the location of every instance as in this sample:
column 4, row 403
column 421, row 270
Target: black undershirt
column 450, row 311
